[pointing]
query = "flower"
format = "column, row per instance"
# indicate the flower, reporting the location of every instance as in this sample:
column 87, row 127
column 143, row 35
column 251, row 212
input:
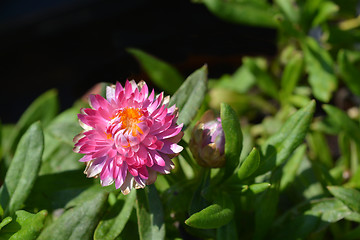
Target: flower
column 129, row 136
column 207, row 141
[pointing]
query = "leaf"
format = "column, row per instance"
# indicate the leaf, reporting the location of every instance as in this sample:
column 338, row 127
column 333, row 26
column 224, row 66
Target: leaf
column 326, row 10
column 189, row 97
column 248, row 12
column 266, row 210
column 250, row 164
column 25, row 226
column 291, row 167
column 23, row 170
column 215, row 215
column 65, row 126
column 291, row 76
column 161, row 73
column 114, row 222
column 289, row 9
column 320, row 67
column 282, row 144
column 69, row 184
column 349, row 196
column 227, row 232
column 349, row 73
column 331, row 210
column 259, row 187
column 150, row 214
column 44, row 108
column 258, row 66
column 341, row 121
column 233, row 138
column 5, row 222
column 78, row 222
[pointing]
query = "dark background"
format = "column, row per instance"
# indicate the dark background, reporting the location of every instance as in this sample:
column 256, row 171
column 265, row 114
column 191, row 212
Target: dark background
column 71, row 45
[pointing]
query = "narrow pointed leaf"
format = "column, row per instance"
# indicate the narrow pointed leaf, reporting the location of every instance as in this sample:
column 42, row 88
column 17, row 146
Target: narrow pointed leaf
column 215, row 215
column 150, row 214
column 349, row 196
column 44, row 108
column 233, row 138
column 161, row 73
column 23, row 170
column 112, row 225
column 342, row 122
column 78, row 222
column 320, row 67
column 249, row 12
column 349, row 73
column 189, row 97
column 282, row 144
column 250, row 164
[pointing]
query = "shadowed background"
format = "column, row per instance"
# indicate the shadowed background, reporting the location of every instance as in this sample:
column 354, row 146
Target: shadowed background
column 71, row 45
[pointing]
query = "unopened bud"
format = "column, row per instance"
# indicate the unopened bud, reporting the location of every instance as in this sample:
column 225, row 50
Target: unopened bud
column 208, row 141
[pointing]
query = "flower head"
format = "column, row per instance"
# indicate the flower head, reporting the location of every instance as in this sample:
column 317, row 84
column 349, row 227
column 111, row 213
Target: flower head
column 208, row 141
column 129, row 136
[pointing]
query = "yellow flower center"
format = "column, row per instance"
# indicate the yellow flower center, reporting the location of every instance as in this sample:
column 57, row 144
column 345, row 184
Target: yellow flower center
column 129, row 118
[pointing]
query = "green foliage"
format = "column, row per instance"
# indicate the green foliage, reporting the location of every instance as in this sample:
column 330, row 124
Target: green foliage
column 292, row 144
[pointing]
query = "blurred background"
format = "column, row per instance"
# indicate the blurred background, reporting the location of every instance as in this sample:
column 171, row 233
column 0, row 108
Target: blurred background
column 71, row 45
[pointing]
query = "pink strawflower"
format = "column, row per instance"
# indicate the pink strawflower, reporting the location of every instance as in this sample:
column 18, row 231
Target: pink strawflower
column 129, row 136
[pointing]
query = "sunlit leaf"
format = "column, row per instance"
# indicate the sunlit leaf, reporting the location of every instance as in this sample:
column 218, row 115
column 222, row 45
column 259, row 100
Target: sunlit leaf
column 215, row 215
column 189, row 97
column 24, row 226
column 250, row 164
column 78, row 222
column 320, row 67
column 114, row 221
column 349, row 196
column 233, row 138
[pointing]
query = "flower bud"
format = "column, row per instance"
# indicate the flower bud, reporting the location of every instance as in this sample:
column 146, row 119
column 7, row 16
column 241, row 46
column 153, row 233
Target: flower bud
column 207, row 141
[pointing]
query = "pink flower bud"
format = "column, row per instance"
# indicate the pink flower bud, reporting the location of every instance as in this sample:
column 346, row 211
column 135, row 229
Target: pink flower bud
column 208, row 141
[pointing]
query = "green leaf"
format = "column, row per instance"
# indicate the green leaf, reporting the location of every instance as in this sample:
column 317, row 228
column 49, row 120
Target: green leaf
column 44, row 108
column 161, row 73
column 65, row 126
column 266, row 210
column 349, row 196
column 291, row 167
column 114, row 221
column 150, row 214
column 23, row 170
column 78, row 222
column 326, row 10
column 215, row 215
column 282, row 144
column 259, row 187
column 5, row 222
column 291, row 75
column 331, row 210
column 189, row 97
column 258, row 66
column 341, row 121
column 320, row 67
column 25, row 226
column 289, row 9
column 233, row 138
column 255, row 13
column 349, row 73
column 227, row 232
column 69, row 184
column 250, row 164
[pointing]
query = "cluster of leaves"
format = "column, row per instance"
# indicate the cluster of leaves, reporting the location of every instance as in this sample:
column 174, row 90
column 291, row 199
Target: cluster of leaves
column 292, row 164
